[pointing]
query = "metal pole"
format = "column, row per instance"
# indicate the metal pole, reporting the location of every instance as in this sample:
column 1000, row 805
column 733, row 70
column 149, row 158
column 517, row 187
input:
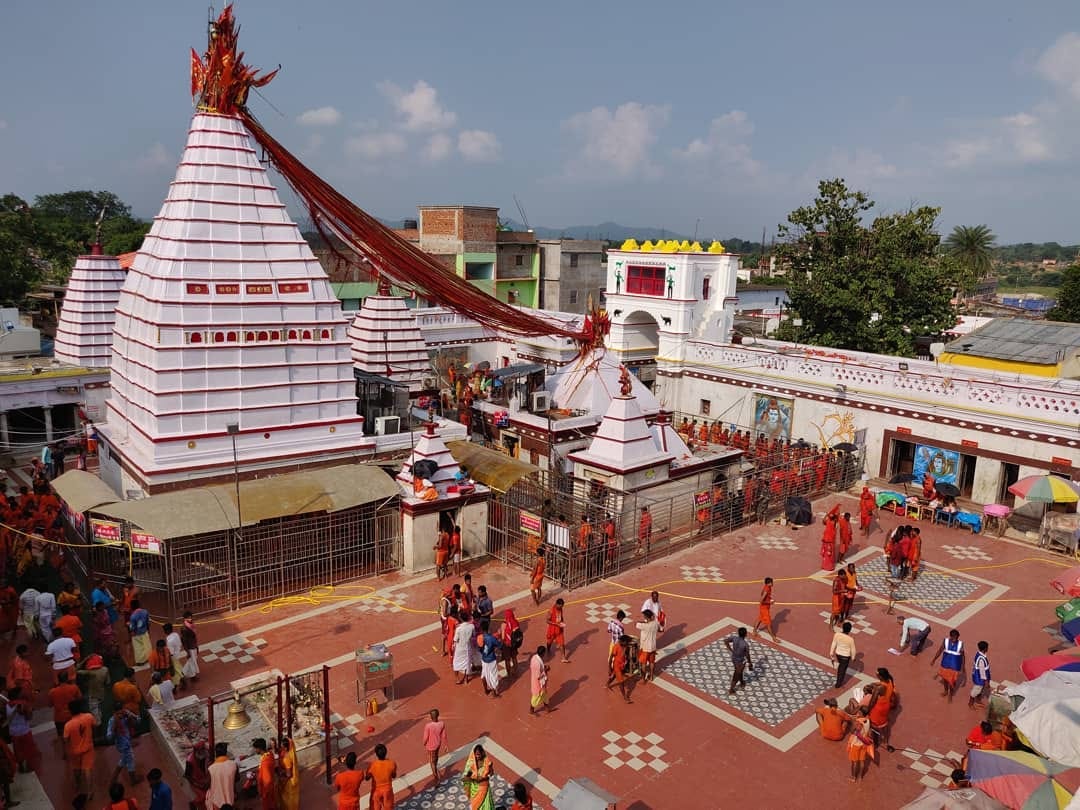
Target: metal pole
column 232, row 429
column 326, row 721
column 279, row 710
column 288, row 703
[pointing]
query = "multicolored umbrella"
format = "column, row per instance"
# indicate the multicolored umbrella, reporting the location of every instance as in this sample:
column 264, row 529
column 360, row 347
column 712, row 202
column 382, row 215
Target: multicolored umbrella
column 1021, row 780
column 1034, row 667
column 1068, row 582
column 1046, row 489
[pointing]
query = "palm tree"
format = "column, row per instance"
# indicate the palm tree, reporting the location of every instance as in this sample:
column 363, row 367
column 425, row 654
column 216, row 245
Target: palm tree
column 970, row 245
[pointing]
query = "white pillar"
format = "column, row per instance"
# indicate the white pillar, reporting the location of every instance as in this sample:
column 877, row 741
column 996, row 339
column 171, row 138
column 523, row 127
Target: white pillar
column 47, row 410
column 4, row 437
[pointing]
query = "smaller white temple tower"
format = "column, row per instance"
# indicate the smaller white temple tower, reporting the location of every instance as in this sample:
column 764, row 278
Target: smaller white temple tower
column 659, row 295
column 84, row 335
column 386, row 340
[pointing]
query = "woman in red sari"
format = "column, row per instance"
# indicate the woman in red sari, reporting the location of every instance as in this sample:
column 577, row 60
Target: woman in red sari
column 509, row 648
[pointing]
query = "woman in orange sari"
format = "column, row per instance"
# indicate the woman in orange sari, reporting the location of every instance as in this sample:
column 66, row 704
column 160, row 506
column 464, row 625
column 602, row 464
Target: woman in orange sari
column 477, row 780
column 867, row 504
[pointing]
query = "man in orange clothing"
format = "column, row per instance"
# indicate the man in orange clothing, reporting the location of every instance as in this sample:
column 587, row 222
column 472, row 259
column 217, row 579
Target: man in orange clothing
column 382, row 773
column 78, row 738
column 536, row 579
column 765, row 604
column 61, row 697
column 556, row 629
column 70, row 624
column 127, row 693
column 844, row 526
column 348, row 783
column 644, row 537
column 867, row 504
column 161, row 659
column 984, row 738
column 832, row 723
column 442, row 554
column 266, row 780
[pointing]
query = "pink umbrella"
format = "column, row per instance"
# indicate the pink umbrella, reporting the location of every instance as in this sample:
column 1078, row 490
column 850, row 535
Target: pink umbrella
column 1068, row 582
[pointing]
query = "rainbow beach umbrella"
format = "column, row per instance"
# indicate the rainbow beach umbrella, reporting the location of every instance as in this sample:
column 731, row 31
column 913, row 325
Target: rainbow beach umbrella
column 1046, row 489
column 1021, row 780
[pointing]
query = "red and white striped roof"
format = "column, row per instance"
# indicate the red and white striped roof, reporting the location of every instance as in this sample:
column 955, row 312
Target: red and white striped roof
column 85, row 333
column 227, row 317
column 386, row 340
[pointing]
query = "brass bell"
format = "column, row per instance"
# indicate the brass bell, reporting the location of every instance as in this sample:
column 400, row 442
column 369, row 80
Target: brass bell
column 237, row 716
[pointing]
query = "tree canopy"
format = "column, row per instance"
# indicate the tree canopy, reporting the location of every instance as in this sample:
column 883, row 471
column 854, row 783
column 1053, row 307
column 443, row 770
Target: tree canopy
column 39, row 242
column 1068, row 300
column 972, row 248
column 872, row 287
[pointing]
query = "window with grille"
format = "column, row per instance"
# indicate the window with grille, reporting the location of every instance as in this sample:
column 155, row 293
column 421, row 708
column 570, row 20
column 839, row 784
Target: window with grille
column 645, row 280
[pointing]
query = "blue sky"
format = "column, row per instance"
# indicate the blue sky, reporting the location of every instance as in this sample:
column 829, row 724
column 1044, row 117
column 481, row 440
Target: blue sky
column 640, row 113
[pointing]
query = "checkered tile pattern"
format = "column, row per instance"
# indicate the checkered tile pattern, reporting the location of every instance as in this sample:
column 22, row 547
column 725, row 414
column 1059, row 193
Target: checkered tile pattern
column 967, row 553
column 384, row 603
column 701, row 573
column 604, row 613
column 235, row 648
column 934, row 768
column 858, row 624
column 777, row 543
column 934, row 591
column 450, row 795
column 779, row 685
column 634, row 751
column 347, row 728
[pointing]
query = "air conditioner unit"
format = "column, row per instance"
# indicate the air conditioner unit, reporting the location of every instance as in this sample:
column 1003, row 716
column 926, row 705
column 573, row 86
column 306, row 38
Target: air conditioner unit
column 387, row 425
column 541, row 401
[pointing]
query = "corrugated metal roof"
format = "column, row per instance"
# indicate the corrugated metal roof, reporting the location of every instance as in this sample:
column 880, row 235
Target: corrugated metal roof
column 1020, row 339
column 81, row 490
column 211, row 509
column 490, row 467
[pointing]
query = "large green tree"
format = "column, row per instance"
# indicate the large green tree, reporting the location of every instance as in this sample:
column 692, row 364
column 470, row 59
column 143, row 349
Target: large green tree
column 972, row 246
column 870, row 287
column 70, row 219
column 1068, row 299
column 22, row 250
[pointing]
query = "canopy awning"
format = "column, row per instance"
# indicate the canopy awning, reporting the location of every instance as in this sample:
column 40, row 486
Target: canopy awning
column 213, row 509
column 517, row 370
column 81, row 490
column 490, row 467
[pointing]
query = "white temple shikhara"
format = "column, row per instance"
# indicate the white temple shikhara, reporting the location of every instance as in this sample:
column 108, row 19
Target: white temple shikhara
column 84, row 334
column 226, row 318
column 386, row 340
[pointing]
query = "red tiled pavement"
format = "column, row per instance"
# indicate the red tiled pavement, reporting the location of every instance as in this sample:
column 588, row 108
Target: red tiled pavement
column 695, row 750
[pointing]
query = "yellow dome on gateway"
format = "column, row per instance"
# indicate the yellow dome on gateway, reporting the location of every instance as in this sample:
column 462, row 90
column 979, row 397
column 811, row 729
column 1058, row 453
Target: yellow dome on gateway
column 629, row 244
column 716, row 247
column 684, row 246
column 696, row 247
column 647, row 247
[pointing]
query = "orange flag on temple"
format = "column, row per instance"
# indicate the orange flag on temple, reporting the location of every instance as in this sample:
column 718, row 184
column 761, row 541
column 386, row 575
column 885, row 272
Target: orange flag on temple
column 198, row 73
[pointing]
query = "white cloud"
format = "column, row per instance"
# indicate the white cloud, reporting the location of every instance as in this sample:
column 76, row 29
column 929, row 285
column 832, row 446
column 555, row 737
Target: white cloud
column 1060, row 63
column 618, row 140
column 1022, row 138
column 375, row 145
column 859, row 168
column 419, row 108
column 725, row 144
column 319, row 117
column 156, row 157
column 438, row 147
column 478, row 145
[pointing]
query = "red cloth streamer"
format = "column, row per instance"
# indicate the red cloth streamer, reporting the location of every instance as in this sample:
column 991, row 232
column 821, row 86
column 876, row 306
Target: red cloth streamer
column 395, row 258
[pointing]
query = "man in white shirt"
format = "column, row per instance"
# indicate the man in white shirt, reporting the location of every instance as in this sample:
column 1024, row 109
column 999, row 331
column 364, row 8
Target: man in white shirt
column 160, row 693
column 46, row 611
column 647, row 645
column 841, row 651
column 28, row 611
column 62, row 651
column 177, row 652
column 652, row 604
column 916, row 630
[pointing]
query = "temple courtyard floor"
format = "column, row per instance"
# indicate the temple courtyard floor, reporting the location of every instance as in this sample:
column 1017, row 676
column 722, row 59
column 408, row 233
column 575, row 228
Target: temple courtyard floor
column 683, row 741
